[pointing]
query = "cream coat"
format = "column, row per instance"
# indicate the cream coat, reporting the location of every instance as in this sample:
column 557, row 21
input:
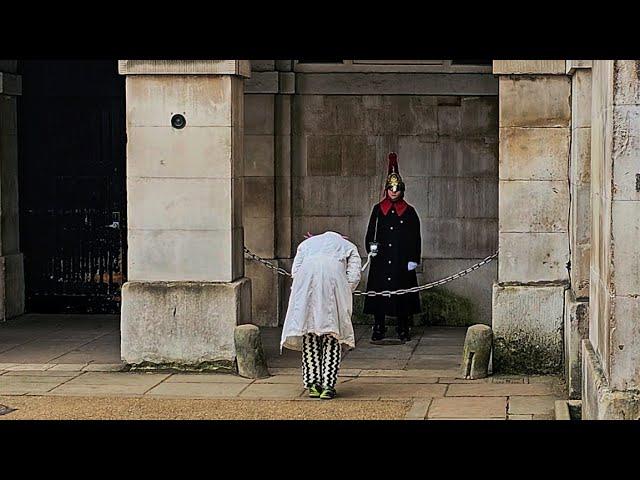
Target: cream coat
column 326, row 270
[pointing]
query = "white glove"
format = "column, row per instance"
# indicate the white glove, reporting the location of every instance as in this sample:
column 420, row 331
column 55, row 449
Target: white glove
column 412, row 266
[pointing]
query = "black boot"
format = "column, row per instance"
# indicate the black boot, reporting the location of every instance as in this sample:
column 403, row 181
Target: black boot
column 379, row 330
column 403, row 331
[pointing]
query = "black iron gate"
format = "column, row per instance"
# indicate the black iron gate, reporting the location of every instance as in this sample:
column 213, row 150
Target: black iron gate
column 72, row 142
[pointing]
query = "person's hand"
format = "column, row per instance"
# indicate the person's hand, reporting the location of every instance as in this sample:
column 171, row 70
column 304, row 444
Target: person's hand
column 412, row 266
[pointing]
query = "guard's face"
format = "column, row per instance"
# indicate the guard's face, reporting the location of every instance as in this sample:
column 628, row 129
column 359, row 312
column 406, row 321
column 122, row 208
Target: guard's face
column 393, row 195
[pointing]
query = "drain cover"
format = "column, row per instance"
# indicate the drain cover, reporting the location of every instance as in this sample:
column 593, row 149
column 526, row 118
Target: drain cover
column 4, row 409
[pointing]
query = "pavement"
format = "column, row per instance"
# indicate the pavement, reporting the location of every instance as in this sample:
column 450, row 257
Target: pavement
column 68, row 367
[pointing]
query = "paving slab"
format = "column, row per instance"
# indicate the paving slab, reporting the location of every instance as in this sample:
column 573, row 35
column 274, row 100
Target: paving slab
column 405, row 379
column 355, row 390
column 374, row 363
column 131, row 379
column 197, row 390
column 98, row 390
column 520, row 417
column 497, row 390
column 409, row 373
column 418, row 410
column 273, row 390
column 532, row 405
column 104, row 367
column 30, row 366
column 206, row 378
column 67, row 367
column 468, row 407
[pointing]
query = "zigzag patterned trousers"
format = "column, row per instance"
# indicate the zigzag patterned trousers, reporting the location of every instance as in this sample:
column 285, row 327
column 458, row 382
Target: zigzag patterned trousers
column 320, row 360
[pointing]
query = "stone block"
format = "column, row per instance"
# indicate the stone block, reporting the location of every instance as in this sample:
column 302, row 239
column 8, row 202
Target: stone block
column 237, row 69
column 541, row 207
column 331, row 195
column 534, row 153
column 527, row 326
column 358, row 156
column 535, row 101
column 479, row 116
column 312, row 116
column 580, row 266
column 626, row 149
column 264, row 293
column 262, row 83
column 204, row 100
column 538, row 405
column 468, row 407
column 625, row 342
column 287, row 83
column 179, row 203
column 188, row 153
column 259, row 236
column 250, row 357
column 10, row 84
column 237, row 199
column 451, row 197
column 626, row 254
column 283, row 114
column 259, row 114
column 581, row 98
column 479, row 157
column 259, row 158
column 576, row 329
column 350, row 114
column 476, row 352
column 518, row 67
column 259, row 197
column 417, row 194
column 476, row 286
column 183, row 323
column 449, row 120
column 419, row 156
column 324, row 155
column 179, row 255
column 459, row 238
column 626, row 86
column 533, row 257
column 262, row 65
column 498, row 389
column 581, row 156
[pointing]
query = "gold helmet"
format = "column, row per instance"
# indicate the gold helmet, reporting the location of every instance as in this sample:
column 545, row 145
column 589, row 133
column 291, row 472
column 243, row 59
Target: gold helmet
column 394, row 180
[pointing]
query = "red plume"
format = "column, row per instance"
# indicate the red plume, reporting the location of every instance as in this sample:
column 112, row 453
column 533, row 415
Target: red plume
column 393, row 163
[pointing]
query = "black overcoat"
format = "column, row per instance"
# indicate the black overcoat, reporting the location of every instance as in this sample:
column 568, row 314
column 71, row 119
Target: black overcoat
column 399, row 242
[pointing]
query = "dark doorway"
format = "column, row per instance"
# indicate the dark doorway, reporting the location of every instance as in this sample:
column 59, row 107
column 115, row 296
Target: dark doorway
column 72, row 157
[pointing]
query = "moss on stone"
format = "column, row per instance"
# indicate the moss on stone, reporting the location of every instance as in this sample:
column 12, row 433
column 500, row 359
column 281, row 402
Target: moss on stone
column 443, row 307
column 523, row 355
column 220, row 366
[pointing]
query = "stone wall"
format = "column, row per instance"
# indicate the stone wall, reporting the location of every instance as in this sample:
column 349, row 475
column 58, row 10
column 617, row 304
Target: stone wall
column 315, row 159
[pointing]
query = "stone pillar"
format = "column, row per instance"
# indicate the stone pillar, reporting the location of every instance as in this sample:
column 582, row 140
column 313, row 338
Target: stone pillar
column 533, row 210
column 611, row 354
column 267, row 216
column 11, row 259
column 186, row 290
column 576, row 317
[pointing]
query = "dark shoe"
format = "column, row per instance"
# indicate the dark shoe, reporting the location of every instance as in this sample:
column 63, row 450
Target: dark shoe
column 404, row 335
column 378, row 333
column 315, row 391
column 328, row 393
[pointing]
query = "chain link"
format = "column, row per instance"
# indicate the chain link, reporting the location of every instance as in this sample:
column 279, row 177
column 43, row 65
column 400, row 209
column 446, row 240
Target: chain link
column 384, row 293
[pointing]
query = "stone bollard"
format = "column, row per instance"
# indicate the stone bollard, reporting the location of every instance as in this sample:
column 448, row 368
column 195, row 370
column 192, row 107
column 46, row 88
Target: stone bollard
column 476, row 352
column 249, row 355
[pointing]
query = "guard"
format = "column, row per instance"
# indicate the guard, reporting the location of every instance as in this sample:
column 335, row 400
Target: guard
column 393, row 235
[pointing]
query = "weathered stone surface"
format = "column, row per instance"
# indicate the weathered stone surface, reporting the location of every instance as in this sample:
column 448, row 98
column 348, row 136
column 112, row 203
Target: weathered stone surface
column 259, row 197
column 259, row 114
column 332, row 195
column 626, row 146
column 259, row 158
column 541, row 207
column 240, row 68
column 581, row 98
column 538, row 405
column 527, row 326
column 203, row 100
column 183, row 324
column 533, row 257
column 462, row 197
column 625, row 80
column 581, row 156
column 476, row 352
column 498, row 389
column 625, row 343
column 534, row 153
column 576, row 329
column 580, row 268
column 535, row 101
column 8, row 115
column 10, row 84
column 599, row 401
column 396, row 84
column 262, row 83
column 260, row 236
column 625, row 217
column 189, row 152
column 249, row 354
column 264, row 293
column 262, row 65
column 479, row 116
column 12, row 286
column 10, row 66
column 511, row 67
column 458, row 237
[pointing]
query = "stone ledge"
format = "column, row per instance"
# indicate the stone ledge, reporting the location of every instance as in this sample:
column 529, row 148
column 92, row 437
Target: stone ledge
column 241, row 68
column 573, row 65
column 529, row 67
column 262, row 82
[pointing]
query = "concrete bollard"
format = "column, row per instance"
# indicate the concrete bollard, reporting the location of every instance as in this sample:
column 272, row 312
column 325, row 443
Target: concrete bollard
column 249, row 355
column 477, row 351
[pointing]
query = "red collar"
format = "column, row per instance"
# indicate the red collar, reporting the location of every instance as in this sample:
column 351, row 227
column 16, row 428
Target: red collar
column 399, row 205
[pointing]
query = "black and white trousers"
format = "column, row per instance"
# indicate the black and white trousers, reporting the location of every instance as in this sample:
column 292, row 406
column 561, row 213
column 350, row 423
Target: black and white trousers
column 320, row 360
